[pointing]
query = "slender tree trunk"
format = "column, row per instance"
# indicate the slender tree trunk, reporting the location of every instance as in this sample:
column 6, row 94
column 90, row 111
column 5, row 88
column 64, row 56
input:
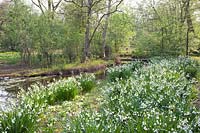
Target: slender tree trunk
column 162, row 41
column 103, row 54
column 187, row 42
column 51, row 11
column 87, row 34
column 189, row 25
column 49, row 5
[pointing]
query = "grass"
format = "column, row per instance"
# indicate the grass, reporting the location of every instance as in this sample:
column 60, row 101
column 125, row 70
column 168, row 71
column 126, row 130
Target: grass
column 196, row 57
column 76, row 65
column 55, row 116
column 14, row 57
column 89, row 63
column 9, row 57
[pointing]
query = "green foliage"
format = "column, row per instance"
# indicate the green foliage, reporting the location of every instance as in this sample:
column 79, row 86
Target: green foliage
column 198, row 75
column 120, row 31
column 119, row 73
column 22, row 118
column 158, row 32
column 146, row 44
column 9, row 57
column 18, row 121
column 25, row 117
column 38, row 38
column 14, row 29
column 191, row 72
column 47, row 41
column 49, row 48
column 87, row 82
column 122, row 72
column 189, row 66
column 156, row 98
column 55, row 92
column 62, row 90
column 74, row 34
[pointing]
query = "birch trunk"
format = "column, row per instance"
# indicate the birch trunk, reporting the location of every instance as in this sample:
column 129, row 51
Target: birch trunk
column 104, row 34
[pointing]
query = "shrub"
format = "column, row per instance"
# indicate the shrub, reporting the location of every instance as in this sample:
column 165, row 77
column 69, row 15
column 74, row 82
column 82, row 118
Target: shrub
column 123, row 72
column 87, row 82
column 21, row 119
column 62, row 90
column 191, row 72
column 198, row 75
column 190, row 67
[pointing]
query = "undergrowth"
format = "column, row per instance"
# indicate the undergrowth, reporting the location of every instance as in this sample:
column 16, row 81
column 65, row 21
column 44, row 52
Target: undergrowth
column 137, row 97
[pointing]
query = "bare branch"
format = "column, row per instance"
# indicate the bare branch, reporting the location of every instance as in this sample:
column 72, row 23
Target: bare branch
column 96, row 2
column 100, row 20
column 100, row 9
column 38, row 5
column 56, row 6
column 75, row 3
column 42, row 5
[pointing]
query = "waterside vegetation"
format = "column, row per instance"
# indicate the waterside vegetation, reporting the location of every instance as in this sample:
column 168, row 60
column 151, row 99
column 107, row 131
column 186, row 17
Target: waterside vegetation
column 154, row 97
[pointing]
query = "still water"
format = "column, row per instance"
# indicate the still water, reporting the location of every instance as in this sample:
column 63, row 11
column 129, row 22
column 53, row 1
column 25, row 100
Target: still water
column 9, row 88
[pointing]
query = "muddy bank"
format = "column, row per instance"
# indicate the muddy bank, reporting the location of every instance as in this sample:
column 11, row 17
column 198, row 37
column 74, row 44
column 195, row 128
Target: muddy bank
column 24, row 72
column 70, row 72
column 8, row 70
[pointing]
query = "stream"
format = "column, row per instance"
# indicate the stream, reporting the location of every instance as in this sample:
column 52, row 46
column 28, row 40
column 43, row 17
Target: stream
column 9, row 88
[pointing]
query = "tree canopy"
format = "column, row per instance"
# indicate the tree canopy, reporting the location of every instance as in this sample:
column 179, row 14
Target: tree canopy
column 66, row 31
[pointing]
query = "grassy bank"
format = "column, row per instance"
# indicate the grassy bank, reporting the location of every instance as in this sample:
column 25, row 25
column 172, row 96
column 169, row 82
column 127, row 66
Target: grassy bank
column 10, row 66
column 9, row 57
column 71, row 66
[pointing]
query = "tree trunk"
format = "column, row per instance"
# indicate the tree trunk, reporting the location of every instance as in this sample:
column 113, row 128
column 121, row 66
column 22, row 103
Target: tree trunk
column 49, row 5
column 103, row 55
column 189, row 25
column 162, row 41
column 187, row 42
column 87, row 34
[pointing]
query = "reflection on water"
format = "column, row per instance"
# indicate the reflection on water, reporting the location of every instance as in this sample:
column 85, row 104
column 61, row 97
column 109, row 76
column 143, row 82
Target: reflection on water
column 6, row 98
column 9, row 87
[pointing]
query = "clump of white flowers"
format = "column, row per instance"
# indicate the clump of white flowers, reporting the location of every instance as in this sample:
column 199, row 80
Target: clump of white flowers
column 26, row 115
column 153, row 98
